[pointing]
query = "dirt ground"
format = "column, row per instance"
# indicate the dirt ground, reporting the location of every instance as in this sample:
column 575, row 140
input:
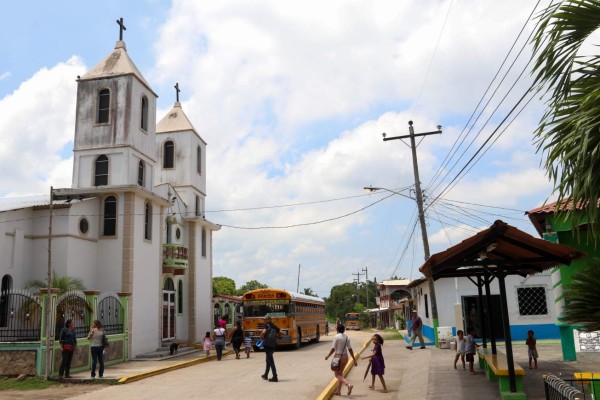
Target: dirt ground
column 57, row 392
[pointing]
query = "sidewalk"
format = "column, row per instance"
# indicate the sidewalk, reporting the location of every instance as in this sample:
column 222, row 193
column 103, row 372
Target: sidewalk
column 135, row 370
column 429, row 373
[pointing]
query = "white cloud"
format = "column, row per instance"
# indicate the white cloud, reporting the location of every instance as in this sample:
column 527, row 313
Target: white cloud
column 37, row 124
column 5, row 75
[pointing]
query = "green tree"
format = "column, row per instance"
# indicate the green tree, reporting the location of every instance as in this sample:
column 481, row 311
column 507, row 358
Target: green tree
column 251, row 285
column 341, row 300
column 568, row 131
column 223, row 285
column 583, row 299
column 309, row 292
column 63, row 283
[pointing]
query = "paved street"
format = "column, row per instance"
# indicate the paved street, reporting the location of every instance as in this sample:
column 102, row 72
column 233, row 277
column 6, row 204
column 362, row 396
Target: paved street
column 304, row 374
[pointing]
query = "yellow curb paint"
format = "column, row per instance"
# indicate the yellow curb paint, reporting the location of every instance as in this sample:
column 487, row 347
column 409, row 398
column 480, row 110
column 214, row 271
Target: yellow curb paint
column 330, row 388
column 158, row 371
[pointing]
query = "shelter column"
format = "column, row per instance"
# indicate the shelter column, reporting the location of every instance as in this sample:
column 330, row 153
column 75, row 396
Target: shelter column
column 507, row 337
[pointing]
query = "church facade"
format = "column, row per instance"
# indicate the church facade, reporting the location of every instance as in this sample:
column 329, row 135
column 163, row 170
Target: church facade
column 133, row 219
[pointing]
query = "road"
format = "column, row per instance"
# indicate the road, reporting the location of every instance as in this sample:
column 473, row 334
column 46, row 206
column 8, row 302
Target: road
column 303, row 374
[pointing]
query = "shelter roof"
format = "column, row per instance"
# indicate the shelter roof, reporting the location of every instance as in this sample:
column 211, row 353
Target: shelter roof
column 501, row 248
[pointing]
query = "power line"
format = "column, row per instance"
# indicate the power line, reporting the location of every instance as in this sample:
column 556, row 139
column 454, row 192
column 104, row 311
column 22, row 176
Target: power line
column 453, row 150
column 307, row 223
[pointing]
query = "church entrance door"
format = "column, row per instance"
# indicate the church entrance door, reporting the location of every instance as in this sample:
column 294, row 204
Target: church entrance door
column 168, row 307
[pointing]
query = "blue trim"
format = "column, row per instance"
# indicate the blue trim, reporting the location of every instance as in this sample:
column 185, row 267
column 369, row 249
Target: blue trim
column 542, row 331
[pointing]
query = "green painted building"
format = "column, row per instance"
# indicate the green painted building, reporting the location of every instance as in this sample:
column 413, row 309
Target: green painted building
column 559, row 230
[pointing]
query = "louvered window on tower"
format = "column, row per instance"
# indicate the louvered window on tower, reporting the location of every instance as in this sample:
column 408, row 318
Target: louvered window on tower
column 109, row 223
column 168, row 154
column 101, row 171
column 532, row 300
column 103, row 106
column 144, row 121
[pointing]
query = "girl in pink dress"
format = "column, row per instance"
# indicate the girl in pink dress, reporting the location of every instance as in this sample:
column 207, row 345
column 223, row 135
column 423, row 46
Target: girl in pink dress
column 207, row 344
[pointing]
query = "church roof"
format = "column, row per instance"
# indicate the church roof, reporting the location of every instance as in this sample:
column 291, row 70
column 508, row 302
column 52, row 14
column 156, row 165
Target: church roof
column 117, row 63
column 175, row 121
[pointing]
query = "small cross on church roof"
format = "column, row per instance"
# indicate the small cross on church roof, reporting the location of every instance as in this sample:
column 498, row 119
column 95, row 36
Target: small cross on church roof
column 177, row 90
column 121, row 28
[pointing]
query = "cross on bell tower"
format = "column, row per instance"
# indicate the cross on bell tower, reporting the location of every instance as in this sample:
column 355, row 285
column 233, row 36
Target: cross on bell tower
column 121, row 28
column 177, row 90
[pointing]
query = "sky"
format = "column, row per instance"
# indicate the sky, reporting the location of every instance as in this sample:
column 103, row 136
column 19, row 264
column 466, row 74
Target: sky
column 292, row 98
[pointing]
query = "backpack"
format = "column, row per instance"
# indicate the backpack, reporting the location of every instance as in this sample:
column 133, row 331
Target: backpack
column 104, row 340
column 270, row 339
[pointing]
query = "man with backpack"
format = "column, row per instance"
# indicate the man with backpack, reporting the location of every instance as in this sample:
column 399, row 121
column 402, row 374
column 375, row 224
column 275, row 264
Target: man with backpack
column 269, row 337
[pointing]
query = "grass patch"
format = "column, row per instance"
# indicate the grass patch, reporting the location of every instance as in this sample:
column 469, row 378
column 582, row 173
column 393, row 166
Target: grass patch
column 29, row 383
column 392, row 334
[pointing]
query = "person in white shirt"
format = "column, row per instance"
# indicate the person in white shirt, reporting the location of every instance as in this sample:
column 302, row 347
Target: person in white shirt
column 341, row 347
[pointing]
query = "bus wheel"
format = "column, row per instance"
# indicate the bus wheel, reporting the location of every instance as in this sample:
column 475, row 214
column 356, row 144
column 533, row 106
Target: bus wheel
column 318, row 337
column 298, row 338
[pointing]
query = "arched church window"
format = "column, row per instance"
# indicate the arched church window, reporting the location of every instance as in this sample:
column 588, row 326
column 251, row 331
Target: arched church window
column 199, row 159
column 168, row 154
column 203, row 242
column 169, row 285
column 141, row 172
column 101, row 171
column 103, row 113
column 144, row 114
column 148, row 221
column 109, row 222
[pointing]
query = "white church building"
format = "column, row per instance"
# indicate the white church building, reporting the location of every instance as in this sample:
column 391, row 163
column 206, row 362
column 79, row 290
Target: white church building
column 133, row 219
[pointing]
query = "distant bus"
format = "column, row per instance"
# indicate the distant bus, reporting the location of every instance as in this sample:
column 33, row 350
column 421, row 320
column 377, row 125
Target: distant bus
column 352, row 321
column 301, row 318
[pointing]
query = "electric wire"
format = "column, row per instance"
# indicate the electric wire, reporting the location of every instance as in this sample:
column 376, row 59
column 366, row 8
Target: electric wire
column 453, row 150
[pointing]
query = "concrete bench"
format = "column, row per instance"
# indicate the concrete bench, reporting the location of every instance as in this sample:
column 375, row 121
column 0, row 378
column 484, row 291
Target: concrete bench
column 496, row 369
column 590, row 378
column 482, row 352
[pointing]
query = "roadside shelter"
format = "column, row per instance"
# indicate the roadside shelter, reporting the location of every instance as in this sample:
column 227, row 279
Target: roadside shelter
column 495, row 253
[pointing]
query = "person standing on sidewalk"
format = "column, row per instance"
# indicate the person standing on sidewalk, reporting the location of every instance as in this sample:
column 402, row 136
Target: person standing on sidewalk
column 96, row 337
column 68, row 342
column 341, row 346
column 269, row 336
column 417, row 330
column 237, row 338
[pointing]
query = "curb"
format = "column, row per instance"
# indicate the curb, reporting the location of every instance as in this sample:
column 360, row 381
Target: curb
column 158, row 371
column 330, row 388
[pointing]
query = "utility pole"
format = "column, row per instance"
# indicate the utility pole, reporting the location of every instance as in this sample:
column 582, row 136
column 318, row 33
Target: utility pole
column 48, row 288
column 366, row 271
column 298, row 284
column 419, row 193
column 357, row 281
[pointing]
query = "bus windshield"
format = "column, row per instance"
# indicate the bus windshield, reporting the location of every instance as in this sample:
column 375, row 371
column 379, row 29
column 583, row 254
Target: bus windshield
column 260, row 308
column 351, row 317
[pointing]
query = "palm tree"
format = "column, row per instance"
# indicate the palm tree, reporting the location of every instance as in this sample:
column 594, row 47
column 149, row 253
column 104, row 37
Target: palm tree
column 583, row 299
column 569, row 131
column 64, row 283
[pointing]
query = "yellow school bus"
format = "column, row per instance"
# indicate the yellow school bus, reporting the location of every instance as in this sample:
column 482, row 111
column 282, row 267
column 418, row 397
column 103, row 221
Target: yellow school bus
column 301, row 318
column 352, row 321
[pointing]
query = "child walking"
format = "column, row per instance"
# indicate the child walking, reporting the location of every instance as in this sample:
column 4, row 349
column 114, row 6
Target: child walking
column 207, row 344
column 377, row 362
column 531, row 348
column 470, row 346
column 460, row 348
column 248, row 344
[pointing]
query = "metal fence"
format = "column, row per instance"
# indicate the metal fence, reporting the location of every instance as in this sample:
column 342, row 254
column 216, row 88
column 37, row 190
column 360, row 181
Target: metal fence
column 110, row 314
column 73, row 306
column 20, row 316
column 568, row 389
